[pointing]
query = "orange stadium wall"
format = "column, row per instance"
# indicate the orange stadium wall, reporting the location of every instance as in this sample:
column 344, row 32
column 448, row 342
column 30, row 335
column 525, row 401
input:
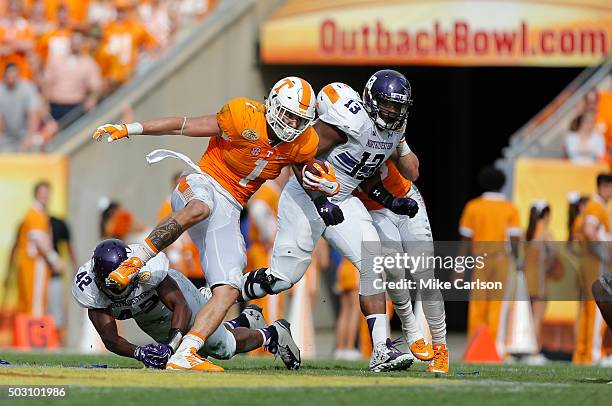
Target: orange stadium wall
column 18, row 175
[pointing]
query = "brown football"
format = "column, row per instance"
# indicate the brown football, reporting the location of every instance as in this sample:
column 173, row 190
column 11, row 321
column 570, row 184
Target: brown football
column 311, row 168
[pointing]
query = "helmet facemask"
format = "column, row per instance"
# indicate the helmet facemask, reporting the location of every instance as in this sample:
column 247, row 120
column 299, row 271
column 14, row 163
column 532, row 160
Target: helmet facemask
column 390, row 111
column 286, row 124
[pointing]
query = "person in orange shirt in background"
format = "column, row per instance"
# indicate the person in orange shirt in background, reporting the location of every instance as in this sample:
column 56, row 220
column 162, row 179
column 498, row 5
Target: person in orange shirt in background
column 488, row 222
column 35, row 255
column 16, row 40
column 262, row 215
column 56, row 43
column 595, row 261
column 116, row 221
column 122, row 41
column 183, row 254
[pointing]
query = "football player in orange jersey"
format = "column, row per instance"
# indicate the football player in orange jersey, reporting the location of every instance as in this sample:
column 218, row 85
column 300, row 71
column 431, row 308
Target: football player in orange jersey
column 249, row 144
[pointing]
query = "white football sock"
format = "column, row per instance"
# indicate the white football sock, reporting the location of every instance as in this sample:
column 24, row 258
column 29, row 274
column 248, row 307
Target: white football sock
column 191, row 340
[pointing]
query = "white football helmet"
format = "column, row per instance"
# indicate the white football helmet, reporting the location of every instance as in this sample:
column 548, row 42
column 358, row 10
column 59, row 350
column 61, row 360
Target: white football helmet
column 332, row 93
column 290, row 107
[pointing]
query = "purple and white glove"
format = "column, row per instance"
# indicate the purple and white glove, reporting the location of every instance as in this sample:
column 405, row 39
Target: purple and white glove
column 153, row 355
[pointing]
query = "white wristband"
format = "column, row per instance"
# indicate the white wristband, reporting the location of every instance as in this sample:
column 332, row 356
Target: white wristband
column 403, row 149
column 134, row 128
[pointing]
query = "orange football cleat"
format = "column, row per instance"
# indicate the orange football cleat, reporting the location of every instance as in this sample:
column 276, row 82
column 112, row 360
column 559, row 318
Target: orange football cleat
column 439, row 363
column 422, row 350
column 121, row 277
column 191, row 361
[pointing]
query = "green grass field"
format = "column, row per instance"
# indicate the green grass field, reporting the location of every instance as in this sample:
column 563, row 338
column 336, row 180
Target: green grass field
column 265, row 380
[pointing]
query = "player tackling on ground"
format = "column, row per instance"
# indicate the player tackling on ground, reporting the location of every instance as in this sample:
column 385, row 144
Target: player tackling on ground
column 164, row 303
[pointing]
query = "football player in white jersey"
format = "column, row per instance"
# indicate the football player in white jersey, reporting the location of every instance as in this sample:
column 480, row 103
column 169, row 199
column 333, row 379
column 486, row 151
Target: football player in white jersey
column 403, row 234
column 354, row 143
column 164, row 303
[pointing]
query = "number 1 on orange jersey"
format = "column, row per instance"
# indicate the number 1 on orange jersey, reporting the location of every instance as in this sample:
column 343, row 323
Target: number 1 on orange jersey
column 260, row 164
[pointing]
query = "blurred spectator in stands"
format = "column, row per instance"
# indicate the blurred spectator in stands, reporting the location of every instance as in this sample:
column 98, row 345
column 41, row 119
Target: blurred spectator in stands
column 35, row 255
column 72, row 83
column 183, row 253
column 604, row 115
column 16, row 40
column 116, row 221
column 189, row 10
column 347, row 323
column 584, row 144
column 38, row 19
column 160, row 19
column 56, row 43
column 56, row 295
column 19, row 110
column 101, row 12
column 122, row 41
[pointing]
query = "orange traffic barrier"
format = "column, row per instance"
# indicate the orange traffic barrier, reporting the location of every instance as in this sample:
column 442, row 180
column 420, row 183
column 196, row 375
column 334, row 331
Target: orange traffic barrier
column 481, row 348
column 35, row 332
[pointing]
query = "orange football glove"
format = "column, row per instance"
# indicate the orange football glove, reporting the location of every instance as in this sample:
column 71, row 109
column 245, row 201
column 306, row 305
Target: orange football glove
column 325, row 183
column 114, row 131
column 121, row 277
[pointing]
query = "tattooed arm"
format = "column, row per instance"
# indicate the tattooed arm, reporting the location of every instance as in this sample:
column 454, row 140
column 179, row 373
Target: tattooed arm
column 170, row 228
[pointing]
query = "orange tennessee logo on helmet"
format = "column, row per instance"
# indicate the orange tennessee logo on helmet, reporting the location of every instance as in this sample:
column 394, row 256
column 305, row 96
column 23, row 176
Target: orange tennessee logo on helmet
column 286, row 82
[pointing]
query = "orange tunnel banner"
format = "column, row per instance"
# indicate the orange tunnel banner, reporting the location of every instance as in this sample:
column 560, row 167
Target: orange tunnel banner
column 439, row 32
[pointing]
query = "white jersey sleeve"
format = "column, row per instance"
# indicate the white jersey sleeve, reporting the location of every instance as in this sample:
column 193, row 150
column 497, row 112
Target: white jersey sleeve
column 348, row 115
column 85, row 291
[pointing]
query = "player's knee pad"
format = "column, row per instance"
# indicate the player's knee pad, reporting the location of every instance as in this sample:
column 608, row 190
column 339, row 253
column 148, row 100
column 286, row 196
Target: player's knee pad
column 262, row 282
column 289, row 263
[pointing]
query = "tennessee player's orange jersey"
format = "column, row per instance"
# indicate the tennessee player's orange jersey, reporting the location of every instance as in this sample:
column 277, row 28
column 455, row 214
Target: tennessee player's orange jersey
column 490, row 217
column 393, row 181
column 55, row 43
column 121, row 42
column 596, row 213
column 10, row 34
column 242, row 159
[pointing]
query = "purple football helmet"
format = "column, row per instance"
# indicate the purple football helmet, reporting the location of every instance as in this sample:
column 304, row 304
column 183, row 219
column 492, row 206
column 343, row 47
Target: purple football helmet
column 386, row 98
column 107, row 257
